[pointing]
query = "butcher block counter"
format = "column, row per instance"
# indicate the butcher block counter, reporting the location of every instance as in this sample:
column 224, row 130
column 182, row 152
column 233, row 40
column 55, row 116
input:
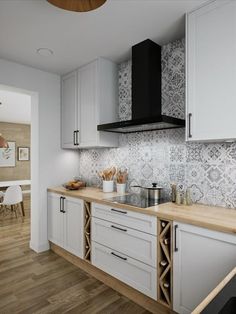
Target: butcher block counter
column 211, row 217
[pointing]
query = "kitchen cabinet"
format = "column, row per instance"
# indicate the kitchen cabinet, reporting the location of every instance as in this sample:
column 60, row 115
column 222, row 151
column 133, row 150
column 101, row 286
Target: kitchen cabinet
column 124, row 245
column 69, row 108
column 139, row 245
column 55, row 219
column 211, row 72
column 201, row 259
column 131, row 271
column 65, row 223
column 91, row 98
column 128, row 218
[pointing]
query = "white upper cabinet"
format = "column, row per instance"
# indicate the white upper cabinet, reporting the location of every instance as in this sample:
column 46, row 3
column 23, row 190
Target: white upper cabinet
column 211, row 72
column 69, row 121
column 95, row 101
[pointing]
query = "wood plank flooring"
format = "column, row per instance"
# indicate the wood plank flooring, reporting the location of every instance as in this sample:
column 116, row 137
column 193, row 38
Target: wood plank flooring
column 46, row 283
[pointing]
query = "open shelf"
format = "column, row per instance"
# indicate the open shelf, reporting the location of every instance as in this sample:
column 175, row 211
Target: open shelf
column 164, row 267
column 87, row 231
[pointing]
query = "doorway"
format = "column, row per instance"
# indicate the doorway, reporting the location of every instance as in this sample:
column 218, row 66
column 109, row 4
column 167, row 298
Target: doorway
column 18, row 164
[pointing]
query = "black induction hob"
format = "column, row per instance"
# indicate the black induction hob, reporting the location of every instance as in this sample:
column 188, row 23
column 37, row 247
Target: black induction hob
column 136, row 200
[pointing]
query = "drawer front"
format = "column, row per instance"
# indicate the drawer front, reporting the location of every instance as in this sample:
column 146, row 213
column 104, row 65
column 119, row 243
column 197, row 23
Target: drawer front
column 140, row 276
column 140, row 222
column 138, row 245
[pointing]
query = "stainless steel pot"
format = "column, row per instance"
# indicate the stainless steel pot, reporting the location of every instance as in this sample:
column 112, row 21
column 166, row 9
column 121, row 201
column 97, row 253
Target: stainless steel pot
column 152, row 193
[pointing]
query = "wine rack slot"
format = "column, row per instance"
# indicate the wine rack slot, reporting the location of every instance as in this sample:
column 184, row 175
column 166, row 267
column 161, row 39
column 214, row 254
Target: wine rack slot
column 165, row 264
column 87, row 231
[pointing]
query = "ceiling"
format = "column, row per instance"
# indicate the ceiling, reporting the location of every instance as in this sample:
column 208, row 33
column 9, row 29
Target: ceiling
column 15, row 108
column 77, row 38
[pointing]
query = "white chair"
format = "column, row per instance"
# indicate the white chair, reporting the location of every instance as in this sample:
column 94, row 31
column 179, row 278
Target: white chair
column 13, row 198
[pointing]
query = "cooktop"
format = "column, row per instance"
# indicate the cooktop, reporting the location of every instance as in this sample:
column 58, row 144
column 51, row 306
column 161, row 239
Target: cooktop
column 136, row 200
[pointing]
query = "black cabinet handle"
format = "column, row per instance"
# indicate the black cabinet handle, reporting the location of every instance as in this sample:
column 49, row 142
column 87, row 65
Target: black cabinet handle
column 116, row 255
column 118, row 211
column 77, row 137
column 62, row 210
column 118, row 228
column 189, row 125
column 74, row 137
column 175, row 247
column 60, row 204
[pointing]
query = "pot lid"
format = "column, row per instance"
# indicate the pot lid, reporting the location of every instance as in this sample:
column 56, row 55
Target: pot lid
column 153, row 187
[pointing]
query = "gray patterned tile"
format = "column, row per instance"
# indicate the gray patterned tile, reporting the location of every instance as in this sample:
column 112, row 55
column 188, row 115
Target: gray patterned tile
column 215, row 153
column 178, row 153
column 209, row 170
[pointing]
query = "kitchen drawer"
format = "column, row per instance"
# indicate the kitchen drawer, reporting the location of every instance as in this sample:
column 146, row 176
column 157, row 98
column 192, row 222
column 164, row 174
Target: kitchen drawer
column 128, row 218
column 140, row 276
column 135, row 244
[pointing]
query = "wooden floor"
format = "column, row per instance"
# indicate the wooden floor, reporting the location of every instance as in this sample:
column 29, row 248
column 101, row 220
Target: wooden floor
column 46, row 283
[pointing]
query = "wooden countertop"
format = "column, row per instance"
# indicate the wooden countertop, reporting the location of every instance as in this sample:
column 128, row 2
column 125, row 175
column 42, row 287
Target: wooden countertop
column 214, row 292
column 211, row 217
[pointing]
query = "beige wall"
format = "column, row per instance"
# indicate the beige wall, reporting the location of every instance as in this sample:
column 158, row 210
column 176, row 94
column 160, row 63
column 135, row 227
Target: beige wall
column 19, row 133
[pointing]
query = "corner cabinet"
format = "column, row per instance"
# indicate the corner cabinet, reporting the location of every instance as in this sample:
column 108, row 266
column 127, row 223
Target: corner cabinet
column 211, row 72
column 89, row 98
column 201, row 259
column 66, row 223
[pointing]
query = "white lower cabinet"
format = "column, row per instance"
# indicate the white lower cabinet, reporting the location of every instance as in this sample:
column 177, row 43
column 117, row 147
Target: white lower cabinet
column 139, row 245
column 201, row 259
column 132, row 272
column 124, row 245
column 55, row 219
column 65, row 223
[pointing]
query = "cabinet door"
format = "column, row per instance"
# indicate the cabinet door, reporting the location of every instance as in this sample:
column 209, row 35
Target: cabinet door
column 55, row 219
column 69, row 110
column 138, row 275
column 74, row 226
column 203, row 258
column 211, row 72
column 87, row 93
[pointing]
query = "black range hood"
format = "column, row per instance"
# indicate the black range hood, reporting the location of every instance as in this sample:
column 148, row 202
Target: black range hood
column 146, row 94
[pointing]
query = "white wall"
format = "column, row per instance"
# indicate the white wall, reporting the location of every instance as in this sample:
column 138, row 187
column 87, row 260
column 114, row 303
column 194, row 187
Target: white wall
column 50, row 164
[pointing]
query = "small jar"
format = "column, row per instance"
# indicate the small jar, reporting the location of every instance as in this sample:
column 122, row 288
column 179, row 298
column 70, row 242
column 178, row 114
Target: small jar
column 121, row 187
column 108, row 186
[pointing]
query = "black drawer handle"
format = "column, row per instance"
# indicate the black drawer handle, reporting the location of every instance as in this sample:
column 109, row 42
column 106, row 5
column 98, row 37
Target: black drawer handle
column 175, row 248
column 123, row 258
column 118, row 211
column 118, row 228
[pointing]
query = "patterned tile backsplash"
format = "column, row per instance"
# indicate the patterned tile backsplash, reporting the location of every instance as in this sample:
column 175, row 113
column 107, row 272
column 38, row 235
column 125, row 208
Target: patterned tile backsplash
column 209, row 170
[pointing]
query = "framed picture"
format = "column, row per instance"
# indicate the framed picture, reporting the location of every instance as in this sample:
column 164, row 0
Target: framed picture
column 8, row 155
column 23, row 153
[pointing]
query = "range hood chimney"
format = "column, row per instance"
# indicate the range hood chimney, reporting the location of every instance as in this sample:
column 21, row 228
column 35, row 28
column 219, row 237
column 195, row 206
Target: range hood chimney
column 146, row 94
